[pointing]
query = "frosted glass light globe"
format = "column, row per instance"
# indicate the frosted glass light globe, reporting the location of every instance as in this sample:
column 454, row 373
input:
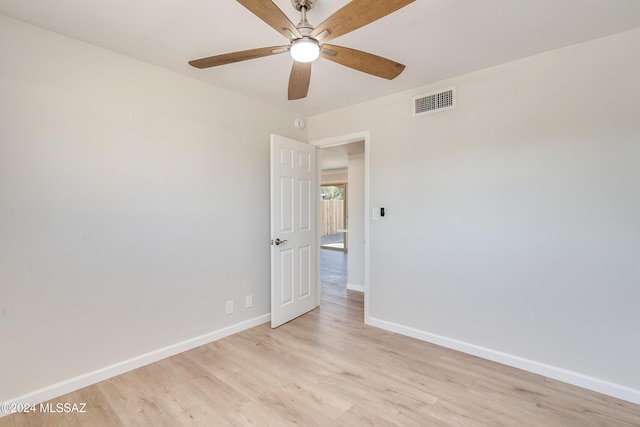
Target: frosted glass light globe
column 305, row 49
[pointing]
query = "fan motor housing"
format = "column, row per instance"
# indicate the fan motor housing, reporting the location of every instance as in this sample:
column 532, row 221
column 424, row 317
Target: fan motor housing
column 299, row 4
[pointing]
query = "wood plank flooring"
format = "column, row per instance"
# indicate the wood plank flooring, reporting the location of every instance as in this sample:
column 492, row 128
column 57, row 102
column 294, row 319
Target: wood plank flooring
column 327, row 368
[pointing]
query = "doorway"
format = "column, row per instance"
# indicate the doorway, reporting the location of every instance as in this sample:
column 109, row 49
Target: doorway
column 344, row 161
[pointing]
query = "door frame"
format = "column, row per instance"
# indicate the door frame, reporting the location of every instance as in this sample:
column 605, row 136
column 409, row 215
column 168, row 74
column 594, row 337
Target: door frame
column 333, row 142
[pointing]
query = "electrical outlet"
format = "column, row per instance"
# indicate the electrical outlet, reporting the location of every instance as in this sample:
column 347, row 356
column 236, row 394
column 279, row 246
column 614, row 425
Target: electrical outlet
column 248, row 301
column 229, row 307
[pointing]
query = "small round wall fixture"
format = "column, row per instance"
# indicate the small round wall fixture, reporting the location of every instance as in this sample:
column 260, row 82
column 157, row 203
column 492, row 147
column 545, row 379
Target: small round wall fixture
column 299, row 124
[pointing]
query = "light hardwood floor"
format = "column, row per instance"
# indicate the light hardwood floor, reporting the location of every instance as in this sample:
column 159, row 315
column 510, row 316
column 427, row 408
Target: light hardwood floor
column 327, row 368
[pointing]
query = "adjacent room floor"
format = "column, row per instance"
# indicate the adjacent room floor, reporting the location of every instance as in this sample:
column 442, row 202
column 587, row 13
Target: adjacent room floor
column 333, row 271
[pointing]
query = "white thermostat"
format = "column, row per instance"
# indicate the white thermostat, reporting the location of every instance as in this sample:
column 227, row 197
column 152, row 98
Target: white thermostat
column 299, row 123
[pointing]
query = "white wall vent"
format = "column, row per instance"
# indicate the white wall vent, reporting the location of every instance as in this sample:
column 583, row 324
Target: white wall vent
column 434, row 102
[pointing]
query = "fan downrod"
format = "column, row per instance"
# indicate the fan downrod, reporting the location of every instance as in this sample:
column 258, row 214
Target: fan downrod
column 299, row 4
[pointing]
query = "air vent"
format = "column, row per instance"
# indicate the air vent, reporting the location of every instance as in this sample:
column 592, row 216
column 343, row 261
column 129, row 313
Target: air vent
column 434, row 102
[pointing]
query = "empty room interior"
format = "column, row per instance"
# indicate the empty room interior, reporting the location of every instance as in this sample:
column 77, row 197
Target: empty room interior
column 167, row 171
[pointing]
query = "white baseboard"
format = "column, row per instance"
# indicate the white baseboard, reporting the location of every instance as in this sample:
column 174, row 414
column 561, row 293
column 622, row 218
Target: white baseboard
column 352, row 287
column 90, row 378
column 574, row 378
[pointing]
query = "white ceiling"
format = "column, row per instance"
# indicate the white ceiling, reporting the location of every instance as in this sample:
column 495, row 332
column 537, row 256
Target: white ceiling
column 435, row 39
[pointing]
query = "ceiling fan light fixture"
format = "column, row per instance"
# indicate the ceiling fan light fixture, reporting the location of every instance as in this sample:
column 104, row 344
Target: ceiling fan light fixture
column 307, row 43
column 306, row 49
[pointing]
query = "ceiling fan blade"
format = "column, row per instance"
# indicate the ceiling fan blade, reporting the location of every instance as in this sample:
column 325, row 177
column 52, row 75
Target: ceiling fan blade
column 229, row 58
column 273, row 16
column 299, row 80
column 362, row 61
column 356, row 14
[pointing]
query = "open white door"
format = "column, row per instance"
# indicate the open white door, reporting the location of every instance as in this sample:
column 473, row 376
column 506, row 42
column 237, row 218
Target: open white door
column 294, row 246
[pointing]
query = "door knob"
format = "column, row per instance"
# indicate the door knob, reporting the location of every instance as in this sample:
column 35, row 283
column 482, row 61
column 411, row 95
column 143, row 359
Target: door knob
column 278, row 242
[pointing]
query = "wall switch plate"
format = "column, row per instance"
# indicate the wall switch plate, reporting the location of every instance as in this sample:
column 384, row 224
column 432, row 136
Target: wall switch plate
column 375, row 214
column 248, row 301
column 228, row 307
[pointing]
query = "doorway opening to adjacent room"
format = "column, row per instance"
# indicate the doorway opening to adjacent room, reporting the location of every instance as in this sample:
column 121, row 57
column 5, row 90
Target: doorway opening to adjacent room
column 344, row 253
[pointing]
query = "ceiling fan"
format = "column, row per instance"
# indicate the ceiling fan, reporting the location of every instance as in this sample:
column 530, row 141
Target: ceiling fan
column 307, row 43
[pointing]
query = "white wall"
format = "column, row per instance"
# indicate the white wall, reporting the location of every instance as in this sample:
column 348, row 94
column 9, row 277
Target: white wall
column 355, row 208
column 513, row 221
column 333, row 176
column 133, row 203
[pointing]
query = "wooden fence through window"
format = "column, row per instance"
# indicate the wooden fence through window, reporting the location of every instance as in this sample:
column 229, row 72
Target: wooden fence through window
column 331, row 216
